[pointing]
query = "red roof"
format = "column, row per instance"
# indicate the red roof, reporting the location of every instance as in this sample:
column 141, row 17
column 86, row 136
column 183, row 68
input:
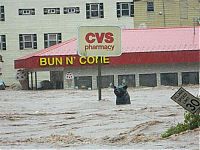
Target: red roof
column 139, row 44
column 154, row 40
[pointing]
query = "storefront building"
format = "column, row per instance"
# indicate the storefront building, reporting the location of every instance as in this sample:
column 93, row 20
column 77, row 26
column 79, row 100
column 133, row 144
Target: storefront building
column 150, row 57
column 29, row 26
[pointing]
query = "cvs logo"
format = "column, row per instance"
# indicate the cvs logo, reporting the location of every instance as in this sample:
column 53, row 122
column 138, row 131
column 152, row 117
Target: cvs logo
column 99, row 37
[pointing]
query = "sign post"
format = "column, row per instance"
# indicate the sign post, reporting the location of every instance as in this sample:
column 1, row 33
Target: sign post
column 99, row 41
column 187, row 101
column 99, row 78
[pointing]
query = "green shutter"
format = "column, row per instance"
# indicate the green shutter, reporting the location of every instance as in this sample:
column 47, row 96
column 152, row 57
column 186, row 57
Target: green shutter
column 118, row 9
column 35, row 41
column 32, row 11
column 45, row 11
column 77, row 10
column 2, row 14
column 20, row 11
column 57, row 10
column 21, row 46
column 3, row 38
column 87, row 11
column 45, row 40
column 59, row 38
column 101, row 10
column 132, row 9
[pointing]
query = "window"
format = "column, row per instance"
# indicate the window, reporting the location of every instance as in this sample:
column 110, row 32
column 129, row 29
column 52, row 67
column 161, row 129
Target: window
column 169, row 79
column 2, row 42
column 190, row 78
column 150, row 6
column 128, row 80
column 148, row 80
column 51, row 11
column 2, row 13
column 26, row 11
column 71, row 10
column 83, row 82
column 27, row 41
column 125, row 9
column 106, row 81
column 51, row 39
column 94, row 10
column 56, row 78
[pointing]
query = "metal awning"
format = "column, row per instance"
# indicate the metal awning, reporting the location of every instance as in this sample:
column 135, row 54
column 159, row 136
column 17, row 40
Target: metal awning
column 139, row 46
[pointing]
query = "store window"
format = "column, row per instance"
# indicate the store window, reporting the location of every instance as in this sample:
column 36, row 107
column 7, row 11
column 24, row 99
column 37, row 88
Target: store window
column 28, row 41
column 128, row 80
column 2, row 13
column 2, row 42
column 83, row 82
column 51, row 11
column 190, row 78
column 56, row 78
column 106, row 81
column 52, row 39
column 169, row 79
column 150, row 6
column 125, row 9
column 71, row 10
column 94, row 10
column 148, row 80
column 26, row 11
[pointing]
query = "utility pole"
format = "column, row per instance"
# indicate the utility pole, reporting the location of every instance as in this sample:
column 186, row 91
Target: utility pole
column 164, row 17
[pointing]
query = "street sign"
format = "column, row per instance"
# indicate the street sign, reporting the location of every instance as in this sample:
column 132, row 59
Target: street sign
column 99, row 41
column 69, row 76
column 187, row 101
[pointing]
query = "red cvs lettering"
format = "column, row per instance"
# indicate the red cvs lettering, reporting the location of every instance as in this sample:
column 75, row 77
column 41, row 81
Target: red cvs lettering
column 99, row 37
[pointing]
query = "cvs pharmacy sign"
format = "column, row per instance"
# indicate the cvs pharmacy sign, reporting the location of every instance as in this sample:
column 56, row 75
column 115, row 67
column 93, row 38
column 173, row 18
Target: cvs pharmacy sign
column 99, row 41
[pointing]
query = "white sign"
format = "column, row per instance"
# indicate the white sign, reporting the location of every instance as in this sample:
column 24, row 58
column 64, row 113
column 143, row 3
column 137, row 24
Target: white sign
column 99, row 41
column 21, row 75
column 187, row 100
column 69, row 76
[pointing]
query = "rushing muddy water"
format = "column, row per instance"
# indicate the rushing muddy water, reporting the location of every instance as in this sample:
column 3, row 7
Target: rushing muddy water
column 76, row 119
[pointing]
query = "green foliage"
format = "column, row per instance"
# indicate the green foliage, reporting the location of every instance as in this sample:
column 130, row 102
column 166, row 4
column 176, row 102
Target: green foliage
column 191, row 121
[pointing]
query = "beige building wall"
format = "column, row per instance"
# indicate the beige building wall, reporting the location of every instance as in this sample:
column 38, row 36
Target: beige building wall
column 134, row 69
column 66, row 24
column 167, row 13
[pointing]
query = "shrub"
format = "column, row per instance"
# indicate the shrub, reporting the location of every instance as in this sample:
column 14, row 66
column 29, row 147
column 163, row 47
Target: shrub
column 191, row 121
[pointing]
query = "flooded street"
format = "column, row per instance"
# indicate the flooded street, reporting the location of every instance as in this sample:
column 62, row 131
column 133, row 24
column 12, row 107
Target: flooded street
column 76, row 119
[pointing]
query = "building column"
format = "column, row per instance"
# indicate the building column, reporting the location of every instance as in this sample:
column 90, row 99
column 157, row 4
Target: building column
column 68, row 82
column 35, row 80
column 32, row 80
column 158, row 79
column 94, row 82
column 116, row 80
column 137, row 82
column 179, row 79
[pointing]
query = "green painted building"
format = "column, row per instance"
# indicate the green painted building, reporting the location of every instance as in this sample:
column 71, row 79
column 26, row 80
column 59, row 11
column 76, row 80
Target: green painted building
column 166, row 13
